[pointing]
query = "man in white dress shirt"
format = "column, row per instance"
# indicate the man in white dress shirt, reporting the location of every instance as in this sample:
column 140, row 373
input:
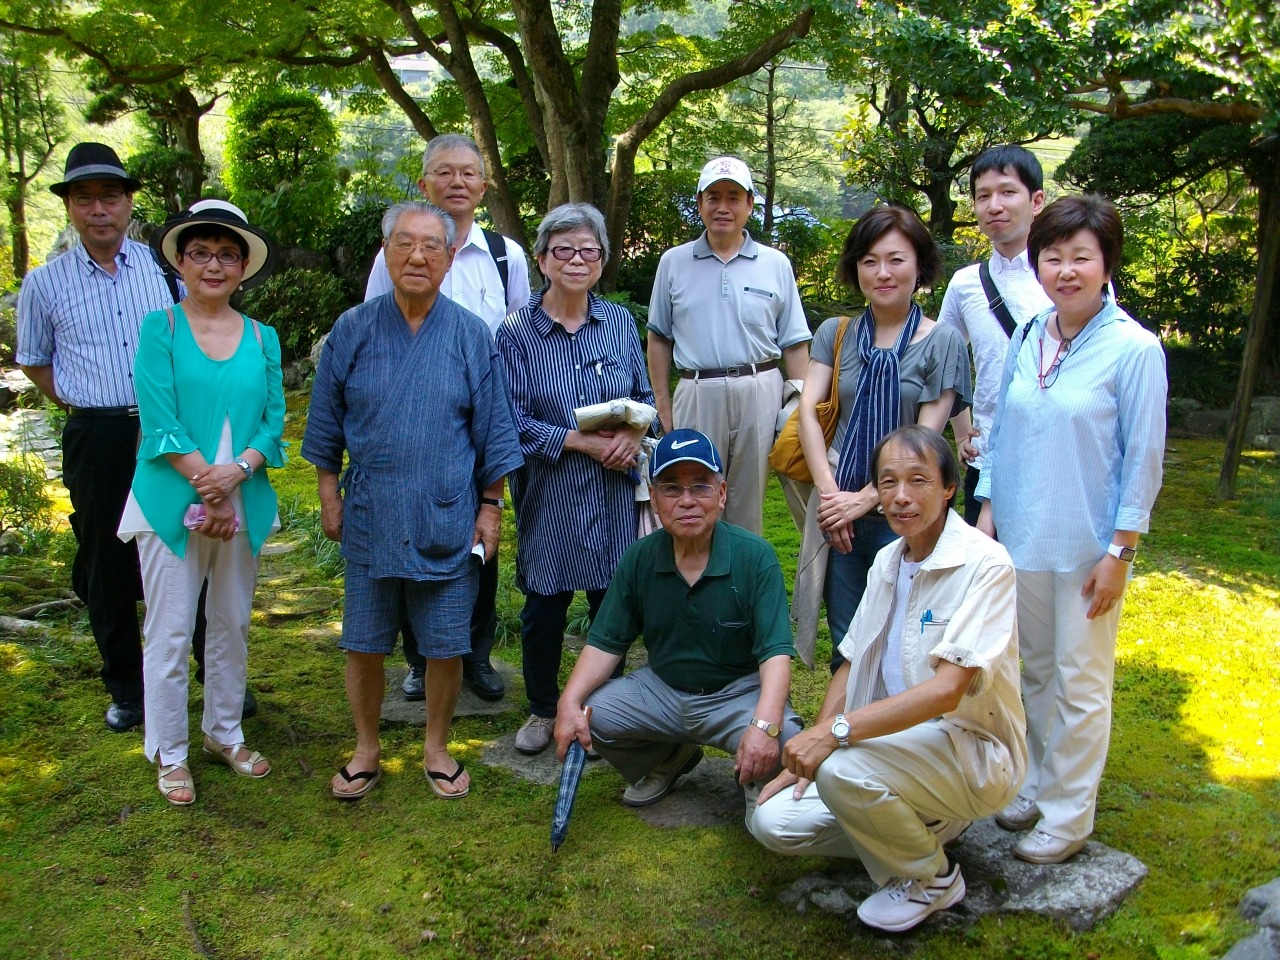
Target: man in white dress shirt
column 1007, row 185
column 489, row 277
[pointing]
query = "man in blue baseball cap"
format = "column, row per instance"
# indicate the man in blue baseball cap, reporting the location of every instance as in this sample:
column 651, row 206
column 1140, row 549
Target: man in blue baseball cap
column 709, row 600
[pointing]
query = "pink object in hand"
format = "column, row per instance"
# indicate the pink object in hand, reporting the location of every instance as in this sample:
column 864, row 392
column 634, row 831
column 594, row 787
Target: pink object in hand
column 197, row 514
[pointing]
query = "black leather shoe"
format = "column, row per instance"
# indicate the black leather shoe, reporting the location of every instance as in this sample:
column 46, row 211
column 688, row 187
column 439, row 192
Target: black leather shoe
column 483, row 680
column 250, row 708
column 123, row 717
column 414, row 685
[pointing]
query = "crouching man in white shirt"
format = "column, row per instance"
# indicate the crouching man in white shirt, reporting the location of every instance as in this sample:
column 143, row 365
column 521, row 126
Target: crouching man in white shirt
column 922, row 729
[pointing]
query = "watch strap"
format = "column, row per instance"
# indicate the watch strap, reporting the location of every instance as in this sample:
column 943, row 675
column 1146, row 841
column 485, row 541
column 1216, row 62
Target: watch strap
column 492, row 502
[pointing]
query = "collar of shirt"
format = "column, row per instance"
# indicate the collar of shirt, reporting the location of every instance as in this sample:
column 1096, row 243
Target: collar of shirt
column 1001, row 264
column 543, row 323
column 88, row 264
column 475, row 238
column 947, row 553
column 1109, row 314
column 717, row 563
column 702, row 248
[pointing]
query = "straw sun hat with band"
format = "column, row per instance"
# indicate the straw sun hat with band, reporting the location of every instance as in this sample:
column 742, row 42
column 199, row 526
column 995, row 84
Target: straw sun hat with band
column 226, row 216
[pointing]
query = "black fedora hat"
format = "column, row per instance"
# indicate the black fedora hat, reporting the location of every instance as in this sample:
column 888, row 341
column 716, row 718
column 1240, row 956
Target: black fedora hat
column 93, row 161
column 227, row 216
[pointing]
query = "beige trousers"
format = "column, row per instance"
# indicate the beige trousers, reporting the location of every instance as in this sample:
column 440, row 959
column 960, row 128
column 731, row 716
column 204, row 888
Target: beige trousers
column 738, row 414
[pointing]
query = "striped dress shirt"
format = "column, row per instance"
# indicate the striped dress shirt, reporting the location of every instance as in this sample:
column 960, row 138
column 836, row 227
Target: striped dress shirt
column 1071, row 464
column 574, row 517
column 85, row 322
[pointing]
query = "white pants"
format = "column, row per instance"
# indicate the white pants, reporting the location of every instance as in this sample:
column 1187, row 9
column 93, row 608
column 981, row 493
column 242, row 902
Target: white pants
column 1068, row 663
column 871, row 801
column 172, row 588
column 738, row 414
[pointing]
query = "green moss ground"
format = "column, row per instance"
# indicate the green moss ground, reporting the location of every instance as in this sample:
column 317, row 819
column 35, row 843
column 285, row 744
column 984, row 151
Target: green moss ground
column 94, row 864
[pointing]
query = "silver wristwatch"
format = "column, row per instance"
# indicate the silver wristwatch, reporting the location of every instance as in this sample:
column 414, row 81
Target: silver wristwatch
column 840, row 730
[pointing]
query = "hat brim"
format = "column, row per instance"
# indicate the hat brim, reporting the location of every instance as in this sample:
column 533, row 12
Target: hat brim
column 263, row 254
column 131, row 185
column 700, row 461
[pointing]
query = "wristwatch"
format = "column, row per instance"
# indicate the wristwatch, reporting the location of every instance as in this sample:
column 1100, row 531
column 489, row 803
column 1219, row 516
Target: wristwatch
column 1122, row 553
column 840, row 730
column 492, row 502
column 770, row 728
column 243, row 464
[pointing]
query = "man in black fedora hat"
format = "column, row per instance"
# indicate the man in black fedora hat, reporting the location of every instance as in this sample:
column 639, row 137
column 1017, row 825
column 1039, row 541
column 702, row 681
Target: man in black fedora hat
column 78, row 323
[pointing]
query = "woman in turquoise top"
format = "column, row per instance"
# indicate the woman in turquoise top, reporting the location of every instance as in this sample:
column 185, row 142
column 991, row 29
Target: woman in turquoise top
column 211, row 403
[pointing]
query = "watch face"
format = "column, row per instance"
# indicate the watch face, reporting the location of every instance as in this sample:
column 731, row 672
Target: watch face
column 840, row 729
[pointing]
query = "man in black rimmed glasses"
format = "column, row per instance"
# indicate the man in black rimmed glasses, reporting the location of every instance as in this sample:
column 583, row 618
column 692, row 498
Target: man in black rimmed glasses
column 709, row 600
column 489, row 277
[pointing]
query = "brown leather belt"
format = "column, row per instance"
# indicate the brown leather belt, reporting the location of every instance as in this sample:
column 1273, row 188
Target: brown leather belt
column 741, row 370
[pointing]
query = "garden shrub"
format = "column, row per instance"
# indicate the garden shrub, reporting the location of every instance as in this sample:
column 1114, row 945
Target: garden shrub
column 25, row 504
column 300, row 304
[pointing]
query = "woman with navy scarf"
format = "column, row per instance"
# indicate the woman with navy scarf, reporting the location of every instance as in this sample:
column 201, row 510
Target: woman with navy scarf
column 897, row 367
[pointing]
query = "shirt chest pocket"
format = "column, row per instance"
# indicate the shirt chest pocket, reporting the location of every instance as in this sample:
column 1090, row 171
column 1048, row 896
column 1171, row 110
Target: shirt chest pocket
column 611, row 377
column 758, row 306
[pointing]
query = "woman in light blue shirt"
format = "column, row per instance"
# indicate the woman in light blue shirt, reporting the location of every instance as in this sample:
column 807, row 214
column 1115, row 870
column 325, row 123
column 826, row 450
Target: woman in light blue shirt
column 1075, row 465
column 211, row 404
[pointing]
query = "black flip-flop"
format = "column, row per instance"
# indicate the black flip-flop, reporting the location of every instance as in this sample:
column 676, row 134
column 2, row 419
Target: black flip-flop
column 435, row 775
column 371, row 778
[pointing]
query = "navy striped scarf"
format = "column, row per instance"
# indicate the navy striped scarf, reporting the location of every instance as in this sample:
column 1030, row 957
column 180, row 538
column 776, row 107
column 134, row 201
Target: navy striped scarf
column 877, row 406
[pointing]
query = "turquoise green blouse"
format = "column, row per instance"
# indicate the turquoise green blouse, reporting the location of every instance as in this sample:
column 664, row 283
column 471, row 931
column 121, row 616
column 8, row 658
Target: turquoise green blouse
column 183, row 399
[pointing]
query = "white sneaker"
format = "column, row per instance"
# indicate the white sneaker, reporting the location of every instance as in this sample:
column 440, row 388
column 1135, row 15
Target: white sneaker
column 657, row 783
column 1040, row 847
column 535, row 735
column 902, row 903
column 1021, row 814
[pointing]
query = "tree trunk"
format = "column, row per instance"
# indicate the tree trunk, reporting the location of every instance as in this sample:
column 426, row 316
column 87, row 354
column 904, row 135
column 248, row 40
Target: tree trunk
column 16, row 201
column 185, row 123
column 770, row 146
column 1266, row 304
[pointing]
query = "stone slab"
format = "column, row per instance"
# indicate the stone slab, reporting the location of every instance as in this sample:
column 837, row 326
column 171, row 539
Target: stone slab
column 1262, row 905
column 398, row 711
column 1081, row 892
column 1263, row 945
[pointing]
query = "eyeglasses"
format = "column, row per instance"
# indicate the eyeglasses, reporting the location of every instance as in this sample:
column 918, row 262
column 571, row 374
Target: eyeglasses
column 428, row 248
column 108, row 199
column 468, row 174
column 225, row 257
column 588, row 254
column 1049, row 377
column 674, row 491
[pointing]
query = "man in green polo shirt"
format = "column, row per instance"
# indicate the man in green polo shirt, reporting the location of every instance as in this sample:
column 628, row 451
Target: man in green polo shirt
column 708, row 598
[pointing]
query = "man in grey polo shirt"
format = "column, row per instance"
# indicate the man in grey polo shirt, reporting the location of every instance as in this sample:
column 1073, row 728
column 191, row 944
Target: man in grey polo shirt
column 726, row 310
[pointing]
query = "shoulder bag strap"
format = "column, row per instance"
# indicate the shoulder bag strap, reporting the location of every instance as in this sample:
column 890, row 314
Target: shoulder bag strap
column 498, row 250
column 835, row 359
column 995, row 301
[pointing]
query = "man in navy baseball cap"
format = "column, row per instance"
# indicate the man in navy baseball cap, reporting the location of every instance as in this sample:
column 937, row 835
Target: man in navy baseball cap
column 709, row 600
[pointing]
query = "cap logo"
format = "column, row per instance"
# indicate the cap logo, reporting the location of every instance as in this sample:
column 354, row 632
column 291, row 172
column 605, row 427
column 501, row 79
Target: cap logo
column 681, row 444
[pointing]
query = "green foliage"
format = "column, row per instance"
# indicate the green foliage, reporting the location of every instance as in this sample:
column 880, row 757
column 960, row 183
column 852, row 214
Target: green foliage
column 352, row 241
column 281, row 165
column 664, row 213
column 25, row 504
column 300, row 304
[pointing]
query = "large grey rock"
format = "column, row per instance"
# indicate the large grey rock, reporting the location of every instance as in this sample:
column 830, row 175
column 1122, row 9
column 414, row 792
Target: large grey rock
column 541, row 768
column 1262, row 905
column 1080, row 892
column 397, row 710
column 1264, row 416
column 1264, row 945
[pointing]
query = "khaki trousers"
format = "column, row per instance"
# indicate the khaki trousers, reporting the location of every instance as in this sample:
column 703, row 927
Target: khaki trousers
column 738, row 414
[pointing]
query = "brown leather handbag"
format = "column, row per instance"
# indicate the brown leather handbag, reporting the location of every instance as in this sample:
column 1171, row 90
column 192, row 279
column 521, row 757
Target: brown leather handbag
column 787, row 457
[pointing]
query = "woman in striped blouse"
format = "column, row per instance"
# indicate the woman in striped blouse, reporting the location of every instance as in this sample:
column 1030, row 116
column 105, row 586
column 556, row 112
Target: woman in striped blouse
column 575, row 496
column 1075, row 465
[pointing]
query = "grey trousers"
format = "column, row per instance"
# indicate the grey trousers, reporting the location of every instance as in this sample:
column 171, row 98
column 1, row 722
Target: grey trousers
column 638, row 722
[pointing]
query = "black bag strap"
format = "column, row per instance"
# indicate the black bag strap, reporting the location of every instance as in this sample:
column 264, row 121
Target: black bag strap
column 498, row 250
column 995, row 301
column 171, row 280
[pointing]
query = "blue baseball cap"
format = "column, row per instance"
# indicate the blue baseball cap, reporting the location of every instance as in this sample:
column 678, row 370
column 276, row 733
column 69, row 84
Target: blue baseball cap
column 680, row 446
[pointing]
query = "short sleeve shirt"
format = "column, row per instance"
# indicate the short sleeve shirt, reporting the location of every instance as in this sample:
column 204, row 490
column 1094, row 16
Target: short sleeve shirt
column 928, row 367
column 721, row 314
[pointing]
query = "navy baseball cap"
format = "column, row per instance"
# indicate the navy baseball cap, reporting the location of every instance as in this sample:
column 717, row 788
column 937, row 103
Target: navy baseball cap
column 681, row 446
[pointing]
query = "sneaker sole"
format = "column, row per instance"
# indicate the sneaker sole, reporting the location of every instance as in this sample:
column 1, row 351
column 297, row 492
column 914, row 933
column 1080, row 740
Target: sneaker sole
column 693, row 761
column 954, row 894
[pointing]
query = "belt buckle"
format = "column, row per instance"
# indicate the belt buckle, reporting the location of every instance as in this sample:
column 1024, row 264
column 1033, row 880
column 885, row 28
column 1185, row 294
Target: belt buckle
column 734, row 371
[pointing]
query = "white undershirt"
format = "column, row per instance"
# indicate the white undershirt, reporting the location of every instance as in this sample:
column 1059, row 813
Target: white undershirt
column 891, row 663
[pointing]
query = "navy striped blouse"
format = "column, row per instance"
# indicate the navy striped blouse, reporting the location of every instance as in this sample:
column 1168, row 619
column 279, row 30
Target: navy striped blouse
column 574, row 518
